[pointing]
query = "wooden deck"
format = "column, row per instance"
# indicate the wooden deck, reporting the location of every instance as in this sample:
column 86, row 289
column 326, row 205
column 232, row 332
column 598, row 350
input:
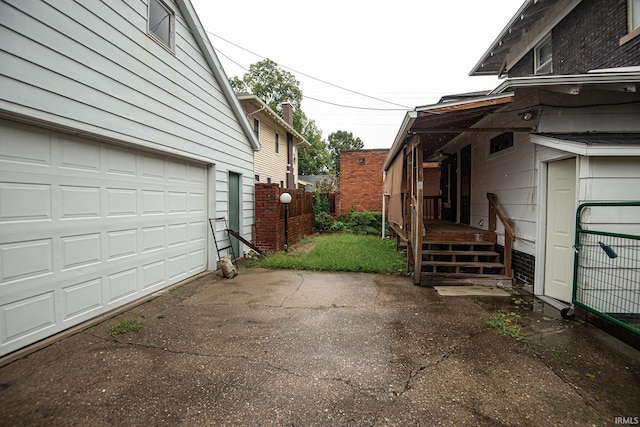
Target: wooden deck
column 445, row 231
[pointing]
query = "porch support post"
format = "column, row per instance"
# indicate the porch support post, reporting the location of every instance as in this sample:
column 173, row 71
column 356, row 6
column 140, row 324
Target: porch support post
column 418, row 206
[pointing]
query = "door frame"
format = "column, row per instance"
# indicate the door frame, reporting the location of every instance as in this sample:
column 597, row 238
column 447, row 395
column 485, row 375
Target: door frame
column 231, row 221
column 546, row 156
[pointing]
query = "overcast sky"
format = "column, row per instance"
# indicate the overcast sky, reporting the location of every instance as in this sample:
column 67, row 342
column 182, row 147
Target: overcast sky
column 409, row 53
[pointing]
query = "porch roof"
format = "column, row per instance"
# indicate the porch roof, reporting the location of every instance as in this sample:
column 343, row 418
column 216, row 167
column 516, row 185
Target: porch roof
column 435, row 125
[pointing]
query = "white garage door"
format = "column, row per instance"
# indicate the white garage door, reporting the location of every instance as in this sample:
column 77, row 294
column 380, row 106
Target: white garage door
column 86, row 227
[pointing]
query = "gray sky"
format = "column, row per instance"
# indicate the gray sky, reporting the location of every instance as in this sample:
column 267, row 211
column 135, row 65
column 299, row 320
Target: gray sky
column 409, row 52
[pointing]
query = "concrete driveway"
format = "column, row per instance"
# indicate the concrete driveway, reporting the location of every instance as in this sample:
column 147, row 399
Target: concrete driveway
column 312, row 348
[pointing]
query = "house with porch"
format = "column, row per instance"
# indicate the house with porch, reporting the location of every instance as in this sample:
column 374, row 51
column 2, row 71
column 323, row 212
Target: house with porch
column 120, row 136
column 518, row 162
column 277, row 161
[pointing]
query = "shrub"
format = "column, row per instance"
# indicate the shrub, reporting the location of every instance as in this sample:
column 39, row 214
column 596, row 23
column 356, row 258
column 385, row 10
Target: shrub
column 365, row 222
column 322, row 221
column 338, row 226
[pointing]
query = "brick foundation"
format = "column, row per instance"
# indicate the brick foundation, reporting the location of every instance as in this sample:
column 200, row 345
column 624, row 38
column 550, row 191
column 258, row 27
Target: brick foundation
column 523, row 265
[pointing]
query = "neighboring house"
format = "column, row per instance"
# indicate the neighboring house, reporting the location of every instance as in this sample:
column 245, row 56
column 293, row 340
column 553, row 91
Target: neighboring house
column 360, row 183
column 277, row 161
column 119, row 137
column 562, row 129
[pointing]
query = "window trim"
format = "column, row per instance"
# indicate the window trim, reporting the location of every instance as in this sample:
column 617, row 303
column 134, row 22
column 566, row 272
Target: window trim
column 277, row 143
column 540, row 69
column 172, row 26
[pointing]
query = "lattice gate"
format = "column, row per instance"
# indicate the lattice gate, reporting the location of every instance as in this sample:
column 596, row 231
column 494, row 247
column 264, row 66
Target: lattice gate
column 607, row 262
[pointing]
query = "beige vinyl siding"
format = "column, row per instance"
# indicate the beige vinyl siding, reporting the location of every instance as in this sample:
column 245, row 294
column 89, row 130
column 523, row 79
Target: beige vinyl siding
column 268, row 163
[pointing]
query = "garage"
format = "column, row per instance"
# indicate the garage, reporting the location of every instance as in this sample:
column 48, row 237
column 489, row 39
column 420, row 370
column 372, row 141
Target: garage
column 88, row 226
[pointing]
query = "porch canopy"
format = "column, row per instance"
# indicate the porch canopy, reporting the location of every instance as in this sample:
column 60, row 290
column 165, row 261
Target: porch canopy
column 438, row 124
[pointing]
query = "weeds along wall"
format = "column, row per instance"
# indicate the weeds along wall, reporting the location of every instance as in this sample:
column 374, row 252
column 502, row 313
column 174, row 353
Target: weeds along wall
column 269, row 213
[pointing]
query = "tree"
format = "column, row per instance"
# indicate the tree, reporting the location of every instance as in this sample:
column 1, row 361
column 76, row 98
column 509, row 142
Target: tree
column 342, row 141
column 315, row 159
column 275, row 86
column 270, row 83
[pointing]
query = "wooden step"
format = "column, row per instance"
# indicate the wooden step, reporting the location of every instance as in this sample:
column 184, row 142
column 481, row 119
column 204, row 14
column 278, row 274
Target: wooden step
column 461, row 245
column 462, row 267
column 461, row 256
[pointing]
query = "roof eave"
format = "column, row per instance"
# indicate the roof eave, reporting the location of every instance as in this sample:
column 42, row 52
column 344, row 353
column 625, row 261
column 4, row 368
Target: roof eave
column 398, row 143
column 191, row 17
column 275, row 116
column 475, row 71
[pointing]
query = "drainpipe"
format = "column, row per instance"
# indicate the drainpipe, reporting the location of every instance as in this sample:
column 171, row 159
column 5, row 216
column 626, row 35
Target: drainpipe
column 384, row 175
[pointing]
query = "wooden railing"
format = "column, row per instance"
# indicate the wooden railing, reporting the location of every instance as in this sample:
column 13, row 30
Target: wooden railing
column 509, row 235
column 432, row 207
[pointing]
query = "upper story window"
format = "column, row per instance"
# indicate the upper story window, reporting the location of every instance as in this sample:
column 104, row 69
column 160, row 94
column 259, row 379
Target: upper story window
column 543, row 56
column 633, row 19
column 162, row 23
column 256, row 128
column 634, row 14
column 277, row 143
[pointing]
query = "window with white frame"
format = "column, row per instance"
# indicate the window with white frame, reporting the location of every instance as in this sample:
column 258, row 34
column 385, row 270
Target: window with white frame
column 256, row 128
column 257, row 177
column 543, row 56
column 162, row 23
column 277, row 143
column 634, row 14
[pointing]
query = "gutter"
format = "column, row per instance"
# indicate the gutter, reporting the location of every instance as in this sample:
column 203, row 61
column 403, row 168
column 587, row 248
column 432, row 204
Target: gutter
column 577, row 79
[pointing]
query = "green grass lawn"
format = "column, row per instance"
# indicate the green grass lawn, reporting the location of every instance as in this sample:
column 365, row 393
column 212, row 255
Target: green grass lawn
column 338, row 252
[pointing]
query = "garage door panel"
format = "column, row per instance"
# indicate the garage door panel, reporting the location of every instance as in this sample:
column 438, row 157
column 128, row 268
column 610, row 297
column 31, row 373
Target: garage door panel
column 28, row 316
column 81, row 298
column 25, row 145
column 86, row 227
column 121, row 202
column 153, row 274
column 121, row 243
column 79, row 154
column 25, row 202
column 80, row 250
column 121, row 285
column 25, row 260
column 79, row 202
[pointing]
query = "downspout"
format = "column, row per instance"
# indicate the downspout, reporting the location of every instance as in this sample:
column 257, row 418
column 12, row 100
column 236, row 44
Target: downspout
column 257, row 111
column 384, row 176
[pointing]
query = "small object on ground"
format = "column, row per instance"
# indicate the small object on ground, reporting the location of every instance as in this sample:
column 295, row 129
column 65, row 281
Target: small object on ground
column 568, row 313
column 228, row 269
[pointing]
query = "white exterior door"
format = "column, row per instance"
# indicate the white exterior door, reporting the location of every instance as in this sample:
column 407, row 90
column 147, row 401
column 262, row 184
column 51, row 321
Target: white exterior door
column 560, row 234
column 86, row 227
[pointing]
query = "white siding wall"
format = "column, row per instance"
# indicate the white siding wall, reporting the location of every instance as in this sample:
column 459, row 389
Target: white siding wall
column 510, row 175
column 91, row 67
column 604, row 179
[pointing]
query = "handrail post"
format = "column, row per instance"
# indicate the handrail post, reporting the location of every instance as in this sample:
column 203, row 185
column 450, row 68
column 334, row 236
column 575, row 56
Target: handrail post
column 509, row 235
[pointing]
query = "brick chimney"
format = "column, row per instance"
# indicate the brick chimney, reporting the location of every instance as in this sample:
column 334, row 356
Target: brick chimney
column 287, row 113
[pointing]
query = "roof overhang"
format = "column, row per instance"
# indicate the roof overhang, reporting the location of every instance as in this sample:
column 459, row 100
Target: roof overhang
column 438, row 124
column 529, row 26
column 625, row 80
column 592, row 144
column 201, row 38
column 262, row 107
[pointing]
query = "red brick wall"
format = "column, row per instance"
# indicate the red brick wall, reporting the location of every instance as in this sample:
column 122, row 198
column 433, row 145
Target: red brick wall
column 361, row 180
column 270, row 216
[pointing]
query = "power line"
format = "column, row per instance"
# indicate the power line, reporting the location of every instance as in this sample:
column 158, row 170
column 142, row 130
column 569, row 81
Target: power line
column 306, row 75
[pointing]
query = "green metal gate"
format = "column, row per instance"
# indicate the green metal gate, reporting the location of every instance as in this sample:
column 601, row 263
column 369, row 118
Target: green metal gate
column 607, row 262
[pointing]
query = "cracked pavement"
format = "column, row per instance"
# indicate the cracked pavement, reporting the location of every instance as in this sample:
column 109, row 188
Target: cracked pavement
column 314, row 348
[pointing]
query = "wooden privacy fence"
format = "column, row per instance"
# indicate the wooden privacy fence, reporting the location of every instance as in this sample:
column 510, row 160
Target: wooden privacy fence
column 269, row 214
